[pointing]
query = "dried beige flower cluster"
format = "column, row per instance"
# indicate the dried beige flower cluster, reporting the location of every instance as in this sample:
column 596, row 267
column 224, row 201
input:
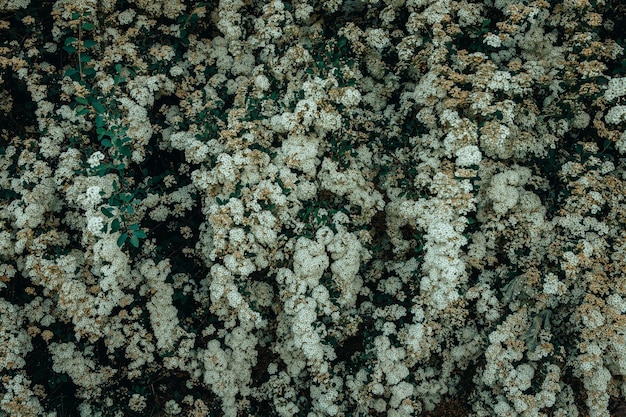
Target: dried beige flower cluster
column 347, row 207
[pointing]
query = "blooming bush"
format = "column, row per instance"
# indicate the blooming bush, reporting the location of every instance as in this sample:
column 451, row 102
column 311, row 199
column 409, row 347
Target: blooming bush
column 336, row 208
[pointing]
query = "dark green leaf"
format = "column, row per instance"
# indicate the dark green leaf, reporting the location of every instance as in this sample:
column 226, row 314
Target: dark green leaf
column 140, row 234
column 69, row 40
column 102, row 170
column 107, row 211
column 69, row 49
column 85, row 58
column 98, row 107
column 89, row 43
column 125, row 150
column 106, row 143
column 134, row 241
column 82, row 110
column 115, row 225
column 88, row 26
column 81, row 100
column 122, row 239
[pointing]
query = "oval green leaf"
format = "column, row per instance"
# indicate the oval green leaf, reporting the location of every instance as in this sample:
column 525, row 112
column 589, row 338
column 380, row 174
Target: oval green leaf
column 122, row 239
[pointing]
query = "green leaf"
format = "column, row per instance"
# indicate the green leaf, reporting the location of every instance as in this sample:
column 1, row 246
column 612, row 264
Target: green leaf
column 107, row 211
column 122, row 239
column 88, row 26
column 85, row 58
column 89, row 43
column 106, row 143
column 69, row 40
column 102, row 170
column 115, row 225
column 82, row 110
column 81, row 100
column 98, row 107
column 134, row 227
column 70, row 49
column 140, row 234
column 125, row 150
column 134, row 241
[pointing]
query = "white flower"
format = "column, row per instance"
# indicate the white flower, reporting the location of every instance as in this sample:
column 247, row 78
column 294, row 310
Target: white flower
column 300, row 152
column 137, row 403
column 263, row 231
column 262, row 82
column 225, row 168
column 172, row 408
column 310, row 261
column 94, row 225
column 500, row 81
column 616, row 115
column 351, row 97
column 13, row 5
column 581, row 120
column 615, row 89
column 492, row 40
column 377, row 38
column 126, row 17
column 503, row 191
column 95, row 158
column 176, row 70
column 468, row 156
column 93, row 194
column 400, row 392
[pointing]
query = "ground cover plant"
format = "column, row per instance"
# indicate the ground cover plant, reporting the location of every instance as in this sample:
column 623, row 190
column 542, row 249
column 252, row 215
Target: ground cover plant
column 312, row 208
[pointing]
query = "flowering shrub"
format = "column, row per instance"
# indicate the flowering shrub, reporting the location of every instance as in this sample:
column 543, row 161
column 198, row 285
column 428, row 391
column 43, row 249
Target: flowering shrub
column 342, row 208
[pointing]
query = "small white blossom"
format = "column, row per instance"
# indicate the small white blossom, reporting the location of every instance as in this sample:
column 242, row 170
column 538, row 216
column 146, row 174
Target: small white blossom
column 95, row 224
column 616, row 114
column 468, row 156
column 493, row 40
column 95, row 158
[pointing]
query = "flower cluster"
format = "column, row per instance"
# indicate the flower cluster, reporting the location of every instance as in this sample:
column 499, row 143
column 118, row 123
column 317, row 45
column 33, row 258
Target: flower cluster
column 313, row 208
